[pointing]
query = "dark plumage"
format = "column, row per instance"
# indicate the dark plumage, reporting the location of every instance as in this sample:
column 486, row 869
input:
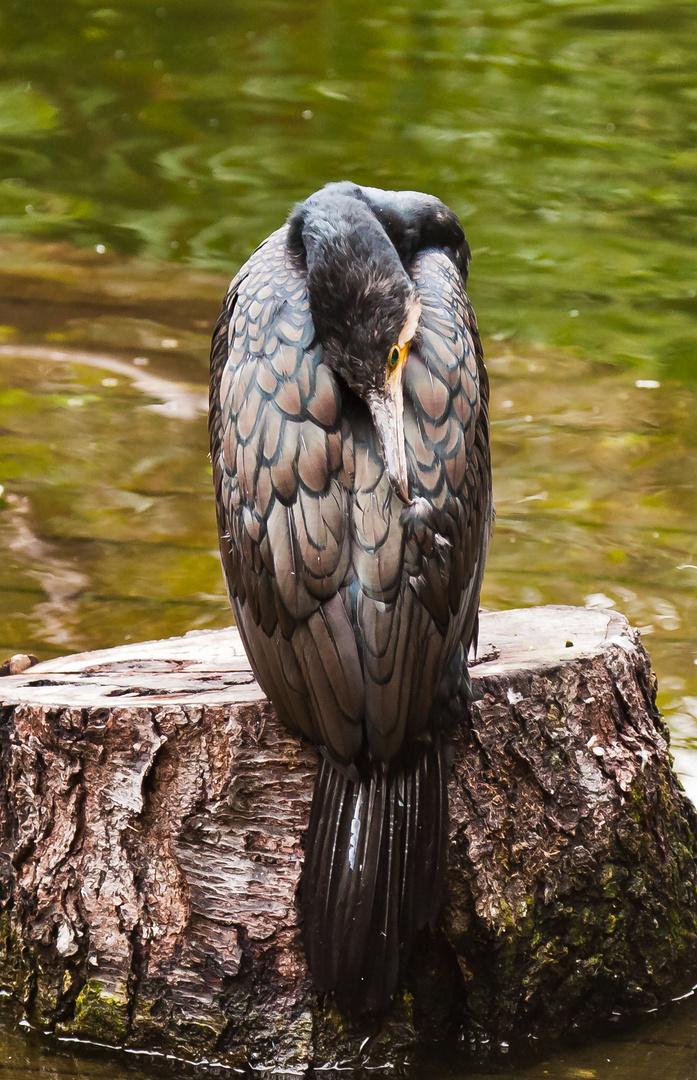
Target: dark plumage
column 350, row 446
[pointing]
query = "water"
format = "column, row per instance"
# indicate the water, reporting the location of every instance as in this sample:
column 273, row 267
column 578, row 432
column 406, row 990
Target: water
column 663, row 1048
column 145, row 150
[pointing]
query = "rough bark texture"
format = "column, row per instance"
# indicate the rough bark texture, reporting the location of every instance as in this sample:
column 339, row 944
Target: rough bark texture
column 152, row 815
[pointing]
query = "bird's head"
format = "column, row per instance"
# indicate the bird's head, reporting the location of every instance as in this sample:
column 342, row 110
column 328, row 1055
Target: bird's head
column 366, row 312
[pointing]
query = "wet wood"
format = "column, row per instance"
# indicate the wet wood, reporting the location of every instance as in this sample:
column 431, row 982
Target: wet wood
column 152, row 814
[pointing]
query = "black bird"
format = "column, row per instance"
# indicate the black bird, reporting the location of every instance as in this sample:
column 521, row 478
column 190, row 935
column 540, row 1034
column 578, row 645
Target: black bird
column 349, row 437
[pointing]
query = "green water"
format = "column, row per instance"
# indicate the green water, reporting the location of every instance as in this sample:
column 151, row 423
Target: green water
column 145, row 150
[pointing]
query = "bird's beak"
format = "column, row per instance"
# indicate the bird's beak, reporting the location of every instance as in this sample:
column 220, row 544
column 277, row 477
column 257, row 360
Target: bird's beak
column 387, row 409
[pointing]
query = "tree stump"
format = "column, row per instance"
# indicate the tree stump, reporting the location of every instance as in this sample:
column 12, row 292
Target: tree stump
column 152, row 814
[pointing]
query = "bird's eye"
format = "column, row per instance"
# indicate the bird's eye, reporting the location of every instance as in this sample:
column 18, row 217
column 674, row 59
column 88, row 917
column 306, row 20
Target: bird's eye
column 392, row 358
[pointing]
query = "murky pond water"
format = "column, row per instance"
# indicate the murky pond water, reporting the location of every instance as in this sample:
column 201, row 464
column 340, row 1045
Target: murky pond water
column 145, row 149
column 663, row 1048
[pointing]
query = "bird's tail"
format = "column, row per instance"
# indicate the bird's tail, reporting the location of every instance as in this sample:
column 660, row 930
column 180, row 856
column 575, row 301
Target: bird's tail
column 373, row 874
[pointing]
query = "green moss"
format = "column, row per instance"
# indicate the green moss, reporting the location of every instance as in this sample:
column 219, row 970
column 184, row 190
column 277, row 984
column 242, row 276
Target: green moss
column 8, row 954
column 13, row 971
column 100, row 1014
column 334, row 1021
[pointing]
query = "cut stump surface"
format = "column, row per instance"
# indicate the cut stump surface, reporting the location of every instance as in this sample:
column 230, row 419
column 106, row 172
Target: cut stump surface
column 152, row 815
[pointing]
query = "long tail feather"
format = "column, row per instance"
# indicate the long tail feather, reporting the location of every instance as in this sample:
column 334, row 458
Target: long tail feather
column 373, row 874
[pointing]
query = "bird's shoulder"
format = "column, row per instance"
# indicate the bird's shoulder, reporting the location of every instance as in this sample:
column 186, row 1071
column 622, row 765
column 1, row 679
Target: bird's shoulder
column 445, row 382
column 447, row 442
column 283, row 454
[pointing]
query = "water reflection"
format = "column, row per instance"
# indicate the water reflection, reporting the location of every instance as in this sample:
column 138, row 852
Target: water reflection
column 663, row 1046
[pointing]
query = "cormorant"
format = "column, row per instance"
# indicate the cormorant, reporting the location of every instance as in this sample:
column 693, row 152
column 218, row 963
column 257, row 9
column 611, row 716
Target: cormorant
column 349, row 437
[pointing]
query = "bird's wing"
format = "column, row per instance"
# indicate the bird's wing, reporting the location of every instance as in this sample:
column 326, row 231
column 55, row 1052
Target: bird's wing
column 282, row 467
column 448, row 417
column 419, row 570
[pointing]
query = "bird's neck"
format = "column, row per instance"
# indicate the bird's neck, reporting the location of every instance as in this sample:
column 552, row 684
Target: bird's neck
column 348, row 256
column 338, row 227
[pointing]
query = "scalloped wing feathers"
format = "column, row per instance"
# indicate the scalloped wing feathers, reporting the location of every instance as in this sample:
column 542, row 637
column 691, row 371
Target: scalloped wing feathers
column 350, row 606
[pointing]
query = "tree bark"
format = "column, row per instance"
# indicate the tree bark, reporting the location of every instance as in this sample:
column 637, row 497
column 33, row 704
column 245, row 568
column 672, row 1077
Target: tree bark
column 152, row 814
